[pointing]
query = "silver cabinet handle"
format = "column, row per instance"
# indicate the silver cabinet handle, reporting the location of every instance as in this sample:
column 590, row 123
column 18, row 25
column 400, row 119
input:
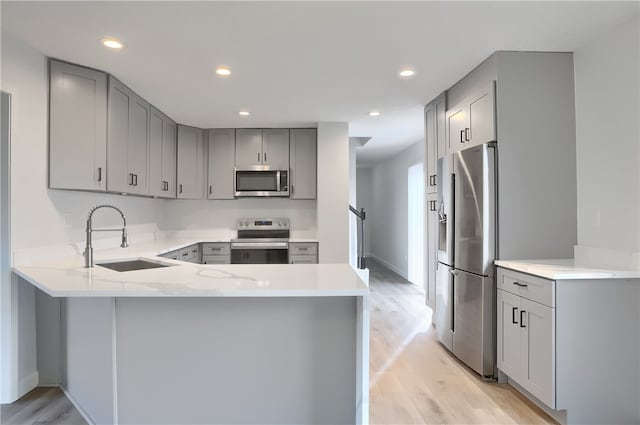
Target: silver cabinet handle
column 522, row 285
column 258, row 156
column 461, row 136
column 522, row 313
column 514, row 311
column 180, row 188
column 130, row 179
column 466, row 134
column 135, row 179
column 99, row 174
column 210, row 189
column 265, row 156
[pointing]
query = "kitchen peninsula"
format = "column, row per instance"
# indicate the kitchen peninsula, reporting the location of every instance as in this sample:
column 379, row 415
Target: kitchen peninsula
column 192, row 343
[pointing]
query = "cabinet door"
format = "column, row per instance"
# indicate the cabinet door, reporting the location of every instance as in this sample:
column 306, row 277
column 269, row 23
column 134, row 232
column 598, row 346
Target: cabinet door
column 221, row 171
column 248, row 148
column 169, row 158
column 138, row 147
column 538, row 350
column 482, row 117
column 156, row 127
column 162, row 155
column 509, row 335
column 275, row 148
column 119, row 176
column 77, row 128
column 303, row 172
column 441, row 119
column 431, row 263
column 190, row 162
column 456, row 122
column 430, row 137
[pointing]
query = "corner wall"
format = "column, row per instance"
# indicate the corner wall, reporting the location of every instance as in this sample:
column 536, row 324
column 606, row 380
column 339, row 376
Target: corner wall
column 607, row 87
column 333, row 192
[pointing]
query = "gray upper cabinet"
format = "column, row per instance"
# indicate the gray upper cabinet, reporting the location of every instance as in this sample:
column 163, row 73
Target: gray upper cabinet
column 77, row 127
column 268, row 148
column 275, row 148
column 435, row 135
column 128, row 140
column 472, row 121
column 248, row 148
column 221, row 160
column 190, row 162
column 162, row 155
column 303, row 176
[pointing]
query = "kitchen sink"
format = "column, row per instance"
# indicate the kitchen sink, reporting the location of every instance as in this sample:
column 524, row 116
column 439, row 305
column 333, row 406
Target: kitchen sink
column 131, row 265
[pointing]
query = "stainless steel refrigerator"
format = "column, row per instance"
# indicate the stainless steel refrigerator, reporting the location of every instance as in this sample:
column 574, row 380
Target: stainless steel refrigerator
column 465, row 277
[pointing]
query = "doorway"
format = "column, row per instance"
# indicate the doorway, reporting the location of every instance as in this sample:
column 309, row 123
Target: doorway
column 415, row 221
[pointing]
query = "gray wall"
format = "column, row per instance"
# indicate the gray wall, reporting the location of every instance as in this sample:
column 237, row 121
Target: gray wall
column 608, row 144
column 388, row 218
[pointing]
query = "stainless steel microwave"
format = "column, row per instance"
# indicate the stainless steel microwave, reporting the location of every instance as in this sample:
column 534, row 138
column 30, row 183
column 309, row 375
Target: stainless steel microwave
column 261, row 183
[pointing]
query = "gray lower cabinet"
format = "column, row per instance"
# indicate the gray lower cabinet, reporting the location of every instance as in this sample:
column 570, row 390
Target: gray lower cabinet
column 190, row 162
column 77, row 127
column 303, row 253
column 216, row 253
column 526, row 333
column 221, row 163
column 303, row 172
column 162, row 155
column 128, row 140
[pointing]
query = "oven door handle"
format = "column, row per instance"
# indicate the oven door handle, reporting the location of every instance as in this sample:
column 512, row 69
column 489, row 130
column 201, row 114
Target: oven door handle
column 259, row 245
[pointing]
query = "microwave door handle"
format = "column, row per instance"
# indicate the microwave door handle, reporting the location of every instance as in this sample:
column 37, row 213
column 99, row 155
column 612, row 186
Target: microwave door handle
column 277, row 181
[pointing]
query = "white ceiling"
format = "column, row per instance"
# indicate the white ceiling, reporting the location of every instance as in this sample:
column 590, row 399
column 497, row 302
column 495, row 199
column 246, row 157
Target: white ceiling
column 297, row 63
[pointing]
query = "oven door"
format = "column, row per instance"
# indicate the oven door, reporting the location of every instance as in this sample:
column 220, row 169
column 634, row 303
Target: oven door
column 261, row 183
column 259, row 253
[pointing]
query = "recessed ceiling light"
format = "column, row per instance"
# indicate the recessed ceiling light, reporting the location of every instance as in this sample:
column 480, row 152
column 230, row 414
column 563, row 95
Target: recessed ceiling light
column 112, row 43
column 374, row 113
column 244, row 113
column 407, row 73
column 223, row 71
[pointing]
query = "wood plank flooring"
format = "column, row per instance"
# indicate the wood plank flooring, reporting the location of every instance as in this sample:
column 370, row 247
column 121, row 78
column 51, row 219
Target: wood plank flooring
column 42, row 406
column 414, row 380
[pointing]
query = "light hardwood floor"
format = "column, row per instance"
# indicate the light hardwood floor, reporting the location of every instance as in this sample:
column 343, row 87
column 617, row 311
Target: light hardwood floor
column 414, row 380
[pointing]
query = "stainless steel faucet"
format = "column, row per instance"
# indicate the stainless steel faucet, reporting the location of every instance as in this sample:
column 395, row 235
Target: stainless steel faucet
column 88, row 251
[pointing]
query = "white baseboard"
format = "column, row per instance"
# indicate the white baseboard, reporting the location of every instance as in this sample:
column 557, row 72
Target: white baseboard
column 27, row 383
column 390, row 266
column 75, row 403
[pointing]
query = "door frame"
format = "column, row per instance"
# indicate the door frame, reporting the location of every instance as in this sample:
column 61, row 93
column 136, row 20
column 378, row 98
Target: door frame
column 8, row 292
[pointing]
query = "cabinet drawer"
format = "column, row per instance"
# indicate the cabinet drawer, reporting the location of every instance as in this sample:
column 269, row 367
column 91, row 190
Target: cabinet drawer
column 216, row 259
column 306, row 248
column 303, row 259
column 530, row 287
column 173, row 255
column 221, row 248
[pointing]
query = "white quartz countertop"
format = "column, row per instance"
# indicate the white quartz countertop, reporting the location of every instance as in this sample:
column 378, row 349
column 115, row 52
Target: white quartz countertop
column 69, row 278
column 564, row 269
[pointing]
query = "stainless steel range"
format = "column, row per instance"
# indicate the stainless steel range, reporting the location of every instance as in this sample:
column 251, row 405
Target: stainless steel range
column 261, row 241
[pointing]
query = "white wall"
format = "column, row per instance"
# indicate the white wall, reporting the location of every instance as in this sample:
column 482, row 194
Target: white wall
column 608, row 148
column 186, row 214
column 333, row 192
column 364, row 186
column 353, row 220
column 41, row 216
column 389, row 209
